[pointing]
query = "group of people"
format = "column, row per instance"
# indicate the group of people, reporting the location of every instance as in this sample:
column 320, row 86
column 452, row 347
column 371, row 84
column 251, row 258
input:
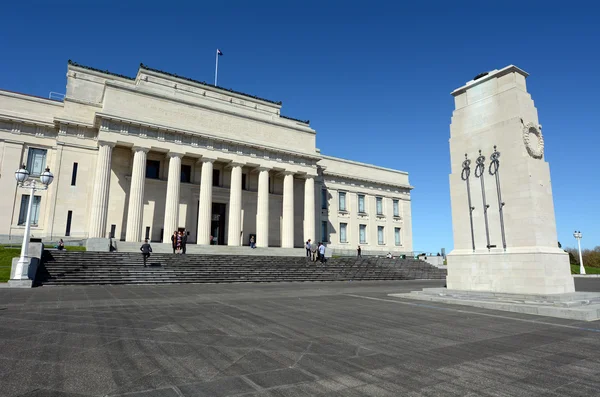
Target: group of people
column 179, row 241
column 315, row 251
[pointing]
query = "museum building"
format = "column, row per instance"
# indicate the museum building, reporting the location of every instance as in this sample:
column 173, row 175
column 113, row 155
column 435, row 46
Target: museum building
column 141, row 157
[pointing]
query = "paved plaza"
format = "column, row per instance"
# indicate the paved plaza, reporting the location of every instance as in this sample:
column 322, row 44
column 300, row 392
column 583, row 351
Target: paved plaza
column 286, row 339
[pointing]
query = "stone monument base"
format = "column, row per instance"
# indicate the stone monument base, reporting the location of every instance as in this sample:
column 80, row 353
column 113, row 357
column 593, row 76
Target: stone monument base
column 529, row 270
column 583, row 306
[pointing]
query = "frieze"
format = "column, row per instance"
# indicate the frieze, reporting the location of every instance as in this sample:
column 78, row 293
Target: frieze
column 380, row 186
column 18, row 128
column 187, row 139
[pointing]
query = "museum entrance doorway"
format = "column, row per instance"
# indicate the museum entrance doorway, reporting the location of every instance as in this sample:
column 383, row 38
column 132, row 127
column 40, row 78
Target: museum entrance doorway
column 217, row 224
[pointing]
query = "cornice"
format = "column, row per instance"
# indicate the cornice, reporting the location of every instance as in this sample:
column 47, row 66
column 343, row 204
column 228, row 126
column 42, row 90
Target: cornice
column 362, row 164
column 327, row 175
column 488, row 76
column 23, row 120
column 89, row 68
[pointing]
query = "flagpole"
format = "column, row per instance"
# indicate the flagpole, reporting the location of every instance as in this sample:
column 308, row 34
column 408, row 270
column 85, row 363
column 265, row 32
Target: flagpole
column 216, row 66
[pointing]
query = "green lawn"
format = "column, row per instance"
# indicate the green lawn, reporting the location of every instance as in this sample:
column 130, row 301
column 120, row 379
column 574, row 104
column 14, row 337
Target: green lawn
column 588, row 270
column 6, row 255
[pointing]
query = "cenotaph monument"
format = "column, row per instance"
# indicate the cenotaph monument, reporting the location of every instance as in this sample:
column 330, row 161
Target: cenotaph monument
column 506, row 254
column 502, row 209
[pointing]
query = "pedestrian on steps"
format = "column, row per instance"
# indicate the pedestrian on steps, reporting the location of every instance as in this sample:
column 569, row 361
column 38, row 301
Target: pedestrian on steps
column 308, row 249
column 313, row 252
column 146, row 250
column 184, row 241
column 174, row 241
column 358, row 250
column 322, row 252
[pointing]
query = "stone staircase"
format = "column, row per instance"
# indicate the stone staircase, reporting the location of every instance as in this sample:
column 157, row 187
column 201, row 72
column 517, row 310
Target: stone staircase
column 93, row 268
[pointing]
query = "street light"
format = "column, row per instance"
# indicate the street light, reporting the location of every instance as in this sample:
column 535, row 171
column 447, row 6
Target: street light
column 577, row 236
column 22, row 176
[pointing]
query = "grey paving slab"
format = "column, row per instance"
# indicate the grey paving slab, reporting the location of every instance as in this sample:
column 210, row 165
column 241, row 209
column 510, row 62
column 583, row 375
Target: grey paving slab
column 289, row 339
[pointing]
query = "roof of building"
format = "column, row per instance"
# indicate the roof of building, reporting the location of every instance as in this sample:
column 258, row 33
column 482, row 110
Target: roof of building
column 145, row 67
column 142, row 66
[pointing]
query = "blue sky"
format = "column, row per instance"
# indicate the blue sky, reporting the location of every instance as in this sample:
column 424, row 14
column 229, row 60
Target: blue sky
column 374, row 78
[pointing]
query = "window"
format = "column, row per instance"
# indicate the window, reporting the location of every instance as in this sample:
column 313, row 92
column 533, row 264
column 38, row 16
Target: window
column 74, row 174
column 113, row 230
column 36, row 161
column 244, row 183
column 396, row 208
column 216, row 177
column 397, row 236
column 343, row 236
column 362, row 234
column 152, row 169
column 380, row 235
column 35, row 210
column 147, row 236
column 186, row 173
column 361, row 203
column 324, row 199
column 342, row 199
column 379, row 202
column 69, row 218
column 324, row 231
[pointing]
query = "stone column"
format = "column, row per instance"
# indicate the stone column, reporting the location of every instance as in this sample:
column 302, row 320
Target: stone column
column 309, row 209
column 235, row 206
column 99, row 208
column 262, row 209
column 172, row 200
column 133, row 231
column 205, row 210
column 287, row 226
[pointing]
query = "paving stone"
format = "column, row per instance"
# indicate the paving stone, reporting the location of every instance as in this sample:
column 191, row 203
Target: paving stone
column 280, row 340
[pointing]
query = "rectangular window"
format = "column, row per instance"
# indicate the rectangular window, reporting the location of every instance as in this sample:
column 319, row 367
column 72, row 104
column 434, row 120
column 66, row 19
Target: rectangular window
column 343, row 235
column 147, row 232
column 35, row 210
column 324, row 199
column 186, row 173
column 216, row 178
column 152, row 169
column 361, row 203
column 69, row 217
column 74, row 175
column 324, row 231
column 36, row 161
column 244, row 183
column 397, row 236
column 342, row 197
column 362, row 234
column 380, row 239
column 396, row 208
column 379, row 202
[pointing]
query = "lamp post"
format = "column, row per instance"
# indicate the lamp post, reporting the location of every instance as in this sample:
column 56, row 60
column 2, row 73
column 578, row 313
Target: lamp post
column 22, row 176
column 577, row 236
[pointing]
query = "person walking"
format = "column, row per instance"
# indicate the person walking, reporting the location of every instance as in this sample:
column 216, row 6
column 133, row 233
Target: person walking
column 308, row 249
column 146, row 250
column 252, row 242
column 174, row 241
column 322, row 252
column 184, row 238
column 313, row 252
column 358, row 250
column 179, row 238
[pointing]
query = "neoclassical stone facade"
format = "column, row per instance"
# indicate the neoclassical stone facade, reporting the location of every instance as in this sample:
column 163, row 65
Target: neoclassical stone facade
column 141, row 157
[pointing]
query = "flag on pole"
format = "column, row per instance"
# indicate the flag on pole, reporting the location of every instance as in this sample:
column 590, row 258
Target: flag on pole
column 219, row 52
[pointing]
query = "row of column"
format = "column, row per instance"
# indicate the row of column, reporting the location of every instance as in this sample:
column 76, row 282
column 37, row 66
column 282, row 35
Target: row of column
column 99, row 209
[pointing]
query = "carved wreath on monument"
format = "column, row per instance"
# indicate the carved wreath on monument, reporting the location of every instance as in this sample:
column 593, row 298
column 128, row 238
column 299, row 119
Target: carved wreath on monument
column 533, row 139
